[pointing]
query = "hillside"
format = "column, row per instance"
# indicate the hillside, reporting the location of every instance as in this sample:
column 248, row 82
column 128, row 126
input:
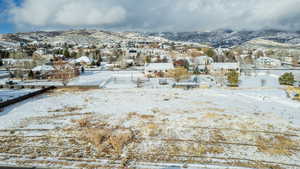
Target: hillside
column 230, row 38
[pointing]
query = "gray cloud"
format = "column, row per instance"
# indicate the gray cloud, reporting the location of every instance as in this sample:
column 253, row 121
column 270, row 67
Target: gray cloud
column 157, row 15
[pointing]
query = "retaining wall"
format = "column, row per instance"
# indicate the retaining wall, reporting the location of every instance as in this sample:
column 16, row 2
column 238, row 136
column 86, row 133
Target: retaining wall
column 24, row 97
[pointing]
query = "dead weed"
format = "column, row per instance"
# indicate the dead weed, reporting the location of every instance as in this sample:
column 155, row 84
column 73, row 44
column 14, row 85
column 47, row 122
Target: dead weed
column 67, row 109
column 277, row 145
column 106, row 140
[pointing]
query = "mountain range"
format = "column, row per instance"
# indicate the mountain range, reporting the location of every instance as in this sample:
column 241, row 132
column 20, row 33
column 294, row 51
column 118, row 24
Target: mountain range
column 224, row 38
column 228, row 38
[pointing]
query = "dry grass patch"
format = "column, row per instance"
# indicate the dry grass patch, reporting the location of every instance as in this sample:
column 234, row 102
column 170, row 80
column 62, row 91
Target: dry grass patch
column 119, row 139
column 153, row 130
column 295, row 90
column 277, row 145
column 84, row 122
column 216, row 136
column 141, row 116
column 145, row 116
column 193, row 149
column 108, row 140
column 72, row 90
column 67, row 109
column 212, row 109
column 215, row 116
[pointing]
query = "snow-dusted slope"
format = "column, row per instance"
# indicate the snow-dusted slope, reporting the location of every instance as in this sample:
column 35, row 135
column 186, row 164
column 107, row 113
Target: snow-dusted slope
column 229, row 38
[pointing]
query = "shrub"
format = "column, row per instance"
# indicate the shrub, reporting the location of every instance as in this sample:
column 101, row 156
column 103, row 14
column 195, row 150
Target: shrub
column 233, row 78
column 287, row 79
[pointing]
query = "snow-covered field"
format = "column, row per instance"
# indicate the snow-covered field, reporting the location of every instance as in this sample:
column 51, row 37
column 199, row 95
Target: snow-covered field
column 153, row 128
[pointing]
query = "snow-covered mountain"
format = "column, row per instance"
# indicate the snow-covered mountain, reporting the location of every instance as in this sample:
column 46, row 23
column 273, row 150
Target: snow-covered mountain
column 224, row 38
column 228, row 38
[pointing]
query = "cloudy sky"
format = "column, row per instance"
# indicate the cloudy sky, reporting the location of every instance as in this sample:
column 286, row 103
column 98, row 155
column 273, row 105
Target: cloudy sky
column 148, row 15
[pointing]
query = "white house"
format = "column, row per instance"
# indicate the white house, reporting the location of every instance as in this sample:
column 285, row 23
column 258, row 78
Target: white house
column 201, row 63
column 153, row 68
column 267, row 62
column 223, row 67
column 203, row 60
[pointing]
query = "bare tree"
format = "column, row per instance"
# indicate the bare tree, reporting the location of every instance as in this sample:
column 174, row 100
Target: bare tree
column 179, row 73
column 64, row 72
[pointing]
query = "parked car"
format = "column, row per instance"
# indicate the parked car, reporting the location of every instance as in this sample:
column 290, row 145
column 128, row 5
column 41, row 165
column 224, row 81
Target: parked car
column 10, row 82
column 163, row 82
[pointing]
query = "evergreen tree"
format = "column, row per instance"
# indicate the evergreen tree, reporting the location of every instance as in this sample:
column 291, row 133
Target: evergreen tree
column 66, row 53
column 148, row 59
column 30, row 74
column 233, row 78
column 287, row 79
column 73, row 55
column 211, row 53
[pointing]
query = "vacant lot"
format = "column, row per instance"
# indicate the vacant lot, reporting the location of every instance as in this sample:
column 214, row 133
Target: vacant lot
column 153, row 128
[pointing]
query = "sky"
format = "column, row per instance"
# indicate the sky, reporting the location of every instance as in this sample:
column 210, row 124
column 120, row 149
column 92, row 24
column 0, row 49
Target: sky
column 148, row 15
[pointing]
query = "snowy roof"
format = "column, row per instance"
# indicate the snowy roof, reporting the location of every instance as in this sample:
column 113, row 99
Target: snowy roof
column 129, row 61
column 158, row 66
column 43, row 68
column 83, row 59
column 225, row 66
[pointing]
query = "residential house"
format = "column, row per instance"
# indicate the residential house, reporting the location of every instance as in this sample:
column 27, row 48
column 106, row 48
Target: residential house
column 18, row 63
column 223, row 68
column 83, row 60
column 42, row 72
column 267, row 62
column 154, row 68
column 201, row 64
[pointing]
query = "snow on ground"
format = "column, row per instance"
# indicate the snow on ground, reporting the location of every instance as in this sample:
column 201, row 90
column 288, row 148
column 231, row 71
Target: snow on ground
column 259, row 81
column 218, row 126
column 230, row 122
